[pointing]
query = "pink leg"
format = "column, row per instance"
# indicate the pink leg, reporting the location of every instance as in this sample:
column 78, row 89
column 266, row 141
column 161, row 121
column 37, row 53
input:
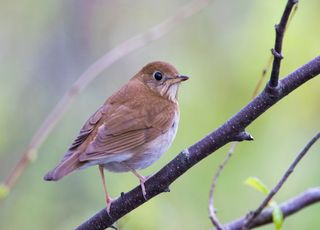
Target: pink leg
column 108, row 198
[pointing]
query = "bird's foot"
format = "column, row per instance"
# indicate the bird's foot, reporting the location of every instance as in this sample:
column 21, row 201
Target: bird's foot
column 109, row 202
column 142, row 180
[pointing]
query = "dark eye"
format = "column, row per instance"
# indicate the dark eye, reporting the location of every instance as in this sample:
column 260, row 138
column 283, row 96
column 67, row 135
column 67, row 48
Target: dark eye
column 157, row 75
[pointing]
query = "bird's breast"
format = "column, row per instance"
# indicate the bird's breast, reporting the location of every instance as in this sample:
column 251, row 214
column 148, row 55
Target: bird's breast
column 148, row 153
column 156, row 148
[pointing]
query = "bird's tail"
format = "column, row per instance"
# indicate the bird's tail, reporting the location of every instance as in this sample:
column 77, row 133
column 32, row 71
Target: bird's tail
column 66, row 166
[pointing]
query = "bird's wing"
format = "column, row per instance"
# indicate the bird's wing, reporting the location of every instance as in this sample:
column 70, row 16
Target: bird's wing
column 84, row 133
column 70, row 160
column 125, row 128
column 87, row 129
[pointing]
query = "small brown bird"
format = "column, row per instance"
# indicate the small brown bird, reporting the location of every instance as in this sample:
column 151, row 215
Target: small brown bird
column 131, row 130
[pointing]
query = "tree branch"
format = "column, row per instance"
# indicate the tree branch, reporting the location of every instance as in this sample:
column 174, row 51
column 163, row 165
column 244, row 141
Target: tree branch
column 253, row 215
column 309, row 197
column 226, row 133
column 276, row 51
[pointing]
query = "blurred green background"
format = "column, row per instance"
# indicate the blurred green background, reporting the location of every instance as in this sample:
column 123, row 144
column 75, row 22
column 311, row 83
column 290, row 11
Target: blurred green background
column 46, row 45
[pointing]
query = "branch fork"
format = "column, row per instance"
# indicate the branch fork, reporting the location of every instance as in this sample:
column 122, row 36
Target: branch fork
column 276, row 51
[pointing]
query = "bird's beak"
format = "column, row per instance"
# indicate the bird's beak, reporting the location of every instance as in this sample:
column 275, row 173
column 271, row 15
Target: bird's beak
column 182, row 77
column 177, row 79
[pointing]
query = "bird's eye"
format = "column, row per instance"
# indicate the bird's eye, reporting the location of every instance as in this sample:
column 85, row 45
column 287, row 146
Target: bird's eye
column 157, row 75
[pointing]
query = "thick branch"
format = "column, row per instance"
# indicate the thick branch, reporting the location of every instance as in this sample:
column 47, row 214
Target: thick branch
column 276, row 51
column 160, row 182
column 311, row 196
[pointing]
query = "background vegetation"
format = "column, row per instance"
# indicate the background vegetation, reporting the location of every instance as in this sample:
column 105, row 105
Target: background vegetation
column 46, row 45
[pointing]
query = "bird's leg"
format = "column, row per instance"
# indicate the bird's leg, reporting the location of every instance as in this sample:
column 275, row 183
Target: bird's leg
column 108, row 198
column 141, row 178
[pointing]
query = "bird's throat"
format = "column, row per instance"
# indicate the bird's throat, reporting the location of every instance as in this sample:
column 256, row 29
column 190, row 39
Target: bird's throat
column 170, row 92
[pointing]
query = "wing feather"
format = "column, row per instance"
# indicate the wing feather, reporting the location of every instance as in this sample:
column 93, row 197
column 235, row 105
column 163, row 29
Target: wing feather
column 87, row 129
column 127, row 128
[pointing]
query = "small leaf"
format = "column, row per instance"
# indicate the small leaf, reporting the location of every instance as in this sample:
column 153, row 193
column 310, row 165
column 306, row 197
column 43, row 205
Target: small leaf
column 257, row 184
column 4, row 191
column 277, row 215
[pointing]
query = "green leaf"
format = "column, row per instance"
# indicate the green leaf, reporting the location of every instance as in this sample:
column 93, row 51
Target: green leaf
column 277, row 215
column 4, row 191
column 257, row 184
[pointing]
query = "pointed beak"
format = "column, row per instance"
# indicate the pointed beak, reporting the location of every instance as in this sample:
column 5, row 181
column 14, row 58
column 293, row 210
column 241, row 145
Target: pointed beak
column 182, row 77
column 177, row 79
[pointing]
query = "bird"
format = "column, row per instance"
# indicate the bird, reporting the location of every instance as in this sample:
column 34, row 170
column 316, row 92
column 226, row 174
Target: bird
column 131, row 130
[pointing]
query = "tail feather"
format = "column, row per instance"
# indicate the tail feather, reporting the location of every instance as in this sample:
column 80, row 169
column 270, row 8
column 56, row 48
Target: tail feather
column 65, row 167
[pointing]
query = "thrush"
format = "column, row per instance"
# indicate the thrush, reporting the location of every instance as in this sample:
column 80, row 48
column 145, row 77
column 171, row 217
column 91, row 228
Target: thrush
column 131, row 130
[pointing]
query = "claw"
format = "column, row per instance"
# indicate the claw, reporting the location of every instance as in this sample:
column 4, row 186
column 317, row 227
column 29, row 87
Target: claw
column 142, row 180
column 109, row 202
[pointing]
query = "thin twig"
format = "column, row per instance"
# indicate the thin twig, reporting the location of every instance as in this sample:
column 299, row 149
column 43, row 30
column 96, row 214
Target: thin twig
column 253, row 215
column 276, row 51
column 90, row 74
column 212, row 211
column 292, row 206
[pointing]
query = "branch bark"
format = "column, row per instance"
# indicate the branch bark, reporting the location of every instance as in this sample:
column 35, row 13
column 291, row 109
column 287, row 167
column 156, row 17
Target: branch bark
column 309, row 197
column 228, row 132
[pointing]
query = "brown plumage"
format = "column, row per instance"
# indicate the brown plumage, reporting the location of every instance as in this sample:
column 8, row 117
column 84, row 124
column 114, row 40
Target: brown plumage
column 132, row 129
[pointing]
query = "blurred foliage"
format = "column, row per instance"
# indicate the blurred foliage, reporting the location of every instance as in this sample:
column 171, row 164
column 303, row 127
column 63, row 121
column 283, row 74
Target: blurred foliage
column 46, row 45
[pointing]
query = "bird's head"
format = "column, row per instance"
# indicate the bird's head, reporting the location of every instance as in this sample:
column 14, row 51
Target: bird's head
column 161, row 78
